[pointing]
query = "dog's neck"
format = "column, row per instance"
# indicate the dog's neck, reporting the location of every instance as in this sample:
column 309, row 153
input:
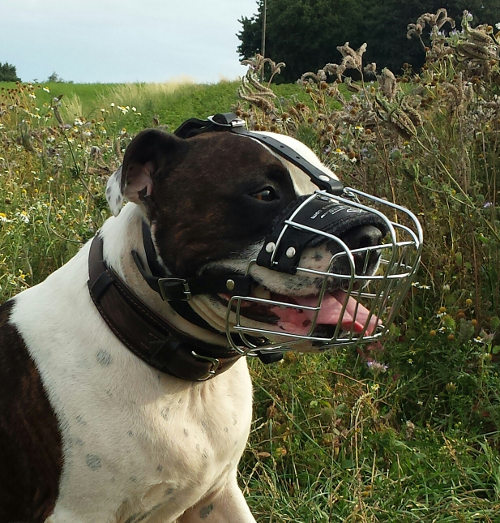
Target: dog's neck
column 123, row 234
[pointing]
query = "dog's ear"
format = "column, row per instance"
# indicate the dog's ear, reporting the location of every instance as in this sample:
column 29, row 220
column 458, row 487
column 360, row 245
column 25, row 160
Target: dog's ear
column 149, row 153
column 114, row 191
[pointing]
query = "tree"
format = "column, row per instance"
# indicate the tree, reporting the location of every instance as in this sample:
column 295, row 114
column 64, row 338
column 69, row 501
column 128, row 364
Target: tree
column 8, row 73
column 54, row 77
column 305, row 33
column 251, row 33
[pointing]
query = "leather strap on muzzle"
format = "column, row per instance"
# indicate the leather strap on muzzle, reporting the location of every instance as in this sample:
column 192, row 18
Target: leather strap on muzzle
column 178, row 290
column 323, row 215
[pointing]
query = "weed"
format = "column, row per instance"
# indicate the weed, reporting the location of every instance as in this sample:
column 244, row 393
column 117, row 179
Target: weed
column 411, row 431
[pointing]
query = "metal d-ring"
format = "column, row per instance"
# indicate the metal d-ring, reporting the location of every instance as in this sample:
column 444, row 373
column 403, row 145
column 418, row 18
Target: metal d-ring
column 214, row 365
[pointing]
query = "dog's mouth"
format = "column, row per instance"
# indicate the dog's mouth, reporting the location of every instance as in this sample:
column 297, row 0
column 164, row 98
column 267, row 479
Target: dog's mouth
column 319, row 316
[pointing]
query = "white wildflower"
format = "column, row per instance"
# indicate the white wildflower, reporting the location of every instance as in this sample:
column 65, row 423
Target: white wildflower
column 23, row 216
column 376, row 366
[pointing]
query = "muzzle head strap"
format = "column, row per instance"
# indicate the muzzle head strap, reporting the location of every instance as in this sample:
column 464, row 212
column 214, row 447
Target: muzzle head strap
column 311, row 220
column 230, row 122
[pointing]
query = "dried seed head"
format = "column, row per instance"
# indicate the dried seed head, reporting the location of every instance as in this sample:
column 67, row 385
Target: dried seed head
column 352, row 59
column 370, row 68
column 387, row 82
column 434, row 21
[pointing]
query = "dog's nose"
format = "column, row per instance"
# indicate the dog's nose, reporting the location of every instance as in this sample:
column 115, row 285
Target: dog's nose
column 363, row 236
column 362, row 240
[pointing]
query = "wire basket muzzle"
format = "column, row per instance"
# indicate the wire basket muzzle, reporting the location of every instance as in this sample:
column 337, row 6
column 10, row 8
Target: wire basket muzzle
column 355, row 294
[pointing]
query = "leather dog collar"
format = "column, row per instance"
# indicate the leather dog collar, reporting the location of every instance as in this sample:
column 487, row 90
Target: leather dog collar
column 146, row 334
column 178, row 291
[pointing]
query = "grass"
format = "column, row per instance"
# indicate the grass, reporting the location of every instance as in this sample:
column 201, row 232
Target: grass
column 417, row 440
column 167, row 104
column 332, row 439
column 326, row 446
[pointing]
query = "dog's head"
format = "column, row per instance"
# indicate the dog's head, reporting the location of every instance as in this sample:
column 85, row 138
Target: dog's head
column 222, row 204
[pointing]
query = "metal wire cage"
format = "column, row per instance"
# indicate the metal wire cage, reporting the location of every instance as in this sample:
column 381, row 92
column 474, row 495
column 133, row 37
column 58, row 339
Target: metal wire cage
column 359, row 300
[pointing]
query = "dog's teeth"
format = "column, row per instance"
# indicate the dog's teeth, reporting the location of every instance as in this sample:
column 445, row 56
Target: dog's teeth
column 263, row 293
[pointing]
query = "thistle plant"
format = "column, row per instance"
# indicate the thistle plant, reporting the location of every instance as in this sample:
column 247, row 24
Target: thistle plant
column 434, row 21
column 427, row 140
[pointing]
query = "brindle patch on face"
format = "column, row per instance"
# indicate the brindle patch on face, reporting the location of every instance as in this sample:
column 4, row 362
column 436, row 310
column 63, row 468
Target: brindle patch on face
column 30, row 440
column 202, row 199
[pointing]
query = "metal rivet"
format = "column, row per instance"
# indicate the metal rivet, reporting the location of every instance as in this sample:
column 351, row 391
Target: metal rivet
column 324, row 177
column 290, row 252
column 270, row 247
column 230, row 285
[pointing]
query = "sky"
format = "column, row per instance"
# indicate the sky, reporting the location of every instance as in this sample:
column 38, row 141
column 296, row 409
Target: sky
column 123, row 40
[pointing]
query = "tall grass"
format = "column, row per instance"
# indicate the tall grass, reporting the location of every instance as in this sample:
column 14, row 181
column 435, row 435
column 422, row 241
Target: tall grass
column 59, row 143
column 143, row 96
column 416, row 438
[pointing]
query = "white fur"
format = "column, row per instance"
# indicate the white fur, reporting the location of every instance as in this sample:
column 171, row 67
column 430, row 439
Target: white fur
column 135, row 440
column 138, row 445
column 114, row 194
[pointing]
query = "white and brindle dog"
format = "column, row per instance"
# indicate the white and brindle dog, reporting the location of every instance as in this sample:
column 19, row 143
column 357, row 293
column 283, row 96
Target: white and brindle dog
column 89, row 431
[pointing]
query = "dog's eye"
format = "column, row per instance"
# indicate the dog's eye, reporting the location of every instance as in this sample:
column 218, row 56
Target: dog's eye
column 268, row 194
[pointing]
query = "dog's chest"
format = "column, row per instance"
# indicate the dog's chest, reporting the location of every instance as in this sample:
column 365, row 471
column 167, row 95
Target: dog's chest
column 135, row 441
column 180, row 448
column 159, row 451
column 157, row 456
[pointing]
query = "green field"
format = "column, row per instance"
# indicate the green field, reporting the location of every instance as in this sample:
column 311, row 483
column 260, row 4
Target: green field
column 414, row 438
column 168, row 103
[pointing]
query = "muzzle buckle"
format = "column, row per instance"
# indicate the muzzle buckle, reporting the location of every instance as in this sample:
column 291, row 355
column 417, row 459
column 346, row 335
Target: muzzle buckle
column 174, row 289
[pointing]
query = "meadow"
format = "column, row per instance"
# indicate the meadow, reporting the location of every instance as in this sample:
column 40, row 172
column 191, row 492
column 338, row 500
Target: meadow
column 407, row 432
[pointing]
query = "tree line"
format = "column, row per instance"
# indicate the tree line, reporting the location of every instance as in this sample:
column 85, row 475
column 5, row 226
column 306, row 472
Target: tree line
column 305, row 33
column 8, row 73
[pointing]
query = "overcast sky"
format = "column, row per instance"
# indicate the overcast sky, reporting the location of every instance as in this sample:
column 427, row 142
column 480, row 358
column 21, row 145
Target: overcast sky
column 123, row 40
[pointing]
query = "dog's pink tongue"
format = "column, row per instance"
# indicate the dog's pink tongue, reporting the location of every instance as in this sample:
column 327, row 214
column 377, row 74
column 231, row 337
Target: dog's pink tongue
column 298, row 321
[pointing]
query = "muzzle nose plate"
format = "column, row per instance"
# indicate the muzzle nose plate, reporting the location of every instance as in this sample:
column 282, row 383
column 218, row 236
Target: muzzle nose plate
column 309, row 221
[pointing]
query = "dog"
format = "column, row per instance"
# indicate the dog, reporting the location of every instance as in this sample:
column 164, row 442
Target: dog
column 101, row 418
